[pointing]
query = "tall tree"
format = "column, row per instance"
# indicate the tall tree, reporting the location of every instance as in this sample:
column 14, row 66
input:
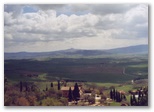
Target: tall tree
column 76, row 91
column 58, row 85
column 26, row 86
column 111, row 94
column 51, row 85
column 70, row 97
column 134, row 102
column 114, row 94
column 131, row 100
column 20, row 86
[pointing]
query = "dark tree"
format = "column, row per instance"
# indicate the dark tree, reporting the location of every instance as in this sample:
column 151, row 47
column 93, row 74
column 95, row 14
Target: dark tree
column 134, row 100
column 51, row 85
column 26, row 86
column 118, row 97
column 70, row 97
column 139, row 93
column 124, row 97
column 114, row 94
column 20, row 86
column 131, row 100
column 58, row 85
column 46, row 88
column 121, row 97
column 76, row 93
column 111, row 94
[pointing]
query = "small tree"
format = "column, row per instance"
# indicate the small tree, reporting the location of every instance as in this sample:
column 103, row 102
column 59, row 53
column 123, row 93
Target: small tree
column 26, row 86
column 51, row 85
column 124, row 97
column 111, row 94
column 70, row 97
column 58, row 85
column 91, row 100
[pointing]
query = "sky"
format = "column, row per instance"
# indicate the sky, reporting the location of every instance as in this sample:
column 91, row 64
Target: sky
column 51, row 27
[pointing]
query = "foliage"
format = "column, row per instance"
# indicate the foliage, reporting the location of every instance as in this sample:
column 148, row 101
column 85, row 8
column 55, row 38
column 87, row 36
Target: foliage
column 51, row 101
column 22, row 102
column 65, row 68
column 91, row 100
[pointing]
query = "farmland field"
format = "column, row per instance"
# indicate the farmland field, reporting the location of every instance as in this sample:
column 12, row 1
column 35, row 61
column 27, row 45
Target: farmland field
column 91, row 70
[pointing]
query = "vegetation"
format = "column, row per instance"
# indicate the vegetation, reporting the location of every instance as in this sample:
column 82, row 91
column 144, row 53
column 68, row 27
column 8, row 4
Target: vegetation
column 38, row 83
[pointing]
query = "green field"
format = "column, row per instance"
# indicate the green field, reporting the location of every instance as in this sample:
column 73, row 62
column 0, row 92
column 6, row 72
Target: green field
column 103, row 70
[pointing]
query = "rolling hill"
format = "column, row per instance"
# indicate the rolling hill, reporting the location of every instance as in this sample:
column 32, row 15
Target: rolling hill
column 139, row 49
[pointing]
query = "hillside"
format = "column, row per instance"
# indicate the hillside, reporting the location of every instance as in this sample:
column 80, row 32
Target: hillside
column 78, row 53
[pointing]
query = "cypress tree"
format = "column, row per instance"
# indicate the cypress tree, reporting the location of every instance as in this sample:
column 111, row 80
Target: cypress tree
column 58, row 85
column 111, row 94
column 76, row 93
column 26, row 86
column 120, row 97
column 131, row 100
column 51, row 85
column 70, row 97
column 134, row 100
column 114, row 94
column 139, row 93
column 20, row 86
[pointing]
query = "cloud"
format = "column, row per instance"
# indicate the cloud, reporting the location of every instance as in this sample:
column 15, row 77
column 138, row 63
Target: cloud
column 91, row 25
column 46, row 25
column 103, row 9
column 14, row 9
column 49, row 6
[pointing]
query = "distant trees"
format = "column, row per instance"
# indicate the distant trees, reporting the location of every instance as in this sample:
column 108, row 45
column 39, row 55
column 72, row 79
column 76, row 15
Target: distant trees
column 32, row 96
column 141, row 98
column 116, row 95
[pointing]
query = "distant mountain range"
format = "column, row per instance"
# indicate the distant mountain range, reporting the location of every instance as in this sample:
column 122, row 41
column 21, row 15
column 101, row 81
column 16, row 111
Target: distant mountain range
column 139, row 49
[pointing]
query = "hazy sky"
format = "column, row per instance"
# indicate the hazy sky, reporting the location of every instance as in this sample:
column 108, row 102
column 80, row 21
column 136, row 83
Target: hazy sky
column 82, row 26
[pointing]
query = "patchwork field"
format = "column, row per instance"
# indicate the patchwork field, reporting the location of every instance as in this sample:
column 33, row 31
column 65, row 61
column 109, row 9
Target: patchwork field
column 90, row 70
